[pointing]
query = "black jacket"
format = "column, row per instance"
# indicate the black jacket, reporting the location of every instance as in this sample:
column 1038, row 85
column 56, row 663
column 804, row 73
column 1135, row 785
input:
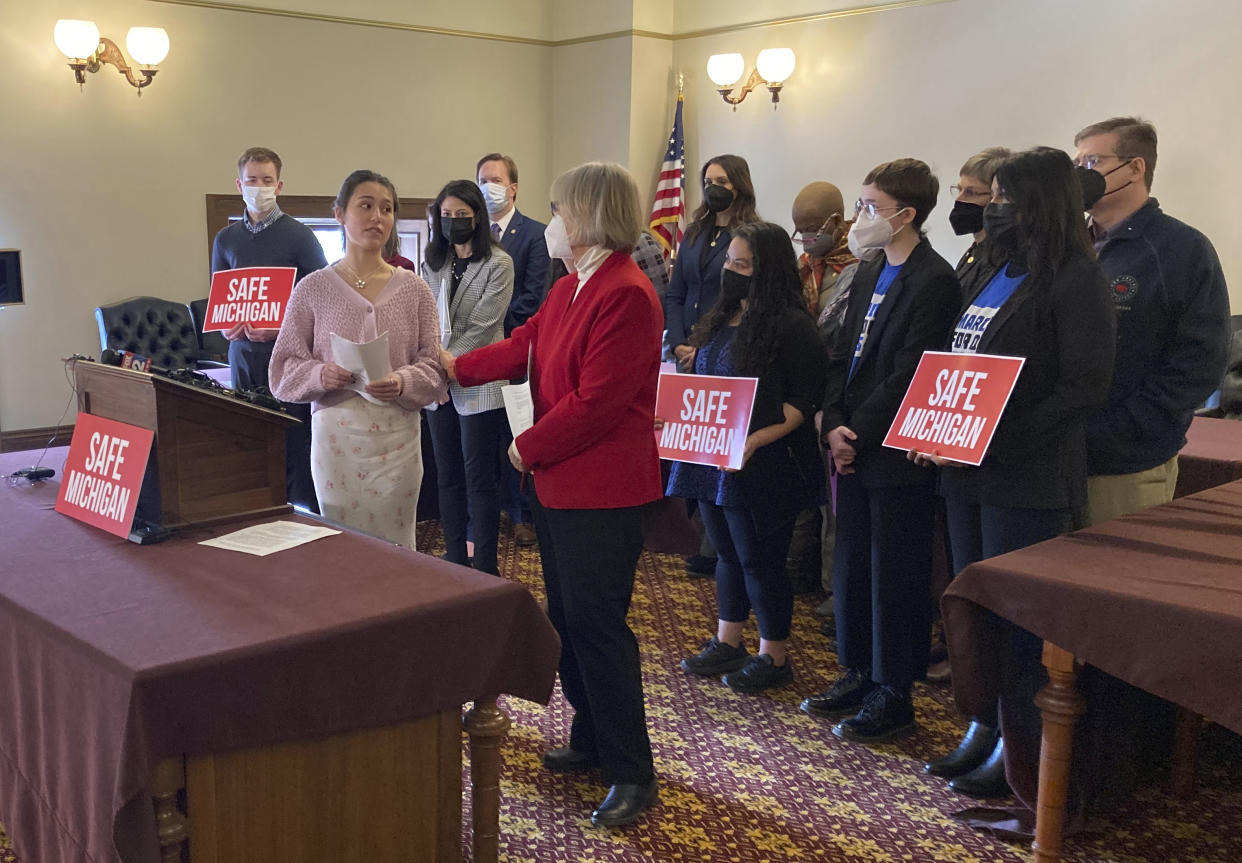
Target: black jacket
column 1063, row 326
column 1172, row 339
column 917, row 315
column 784, row 477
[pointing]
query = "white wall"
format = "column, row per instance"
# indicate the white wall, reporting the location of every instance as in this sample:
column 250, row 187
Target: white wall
column 941, row 82
column 104, row 192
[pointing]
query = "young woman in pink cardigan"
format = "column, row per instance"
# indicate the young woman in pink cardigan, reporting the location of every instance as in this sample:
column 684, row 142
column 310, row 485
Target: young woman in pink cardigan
column 366, row 457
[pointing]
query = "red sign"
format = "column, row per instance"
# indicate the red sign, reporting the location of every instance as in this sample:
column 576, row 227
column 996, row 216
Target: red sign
column 705, row 418
column 953, row 405
column 103, row 473
column 252, row 295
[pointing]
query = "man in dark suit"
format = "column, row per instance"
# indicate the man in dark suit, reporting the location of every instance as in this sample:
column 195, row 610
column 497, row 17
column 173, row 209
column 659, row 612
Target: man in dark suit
column 522, row 238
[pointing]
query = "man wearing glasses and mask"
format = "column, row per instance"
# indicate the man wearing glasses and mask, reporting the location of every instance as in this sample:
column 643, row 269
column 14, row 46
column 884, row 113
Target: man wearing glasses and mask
column 1172, row 324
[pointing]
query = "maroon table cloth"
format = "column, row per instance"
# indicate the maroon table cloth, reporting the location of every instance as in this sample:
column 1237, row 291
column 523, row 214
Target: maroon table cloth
column 114, row 656
column 1153, row 598
column 1212, row 455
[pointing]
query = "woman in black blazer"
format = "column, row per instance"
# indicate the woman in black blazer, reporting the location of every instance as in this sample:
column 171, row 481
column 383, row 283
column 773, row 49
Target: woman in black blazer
column 759, row 327
column 1047, row 302
column 902, row 302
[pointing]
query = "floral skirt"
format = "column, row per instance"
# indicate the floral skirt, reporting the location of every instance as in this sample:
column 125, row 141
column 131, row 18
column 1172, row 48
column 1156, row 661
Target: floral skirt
column 367, row 463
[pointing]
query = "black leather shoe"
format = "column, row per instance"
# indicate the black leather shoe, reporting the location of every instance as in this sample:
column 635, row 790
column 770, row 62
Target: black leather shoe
column 567, row 760
column 974, row 749
column 845, row 697
column 887, row 714
column 625, row 803
column 988, row 779
column 698, row 566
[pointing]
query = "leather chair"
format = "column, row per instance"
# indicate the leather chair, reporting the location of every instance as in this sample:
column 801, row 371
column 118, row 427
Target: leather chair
column 212, row 345
column 161, row 330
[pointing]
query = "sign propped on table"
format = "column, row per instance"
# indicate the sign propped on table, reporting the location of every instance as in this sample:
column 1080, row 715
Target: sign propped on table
column 103, row 473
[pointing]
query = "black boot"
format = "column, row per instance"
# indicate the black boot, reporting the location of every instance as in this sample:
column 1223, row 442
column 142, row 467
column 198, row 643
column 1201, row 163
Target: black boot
column 988, row 779
column 974, row 749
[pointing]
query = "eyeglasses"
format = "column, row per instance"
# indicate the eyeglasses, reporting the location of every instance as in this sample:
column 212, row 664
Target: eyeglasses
column 808, row 238
column 871, row 209
column 1090, row 160
column 957, row 191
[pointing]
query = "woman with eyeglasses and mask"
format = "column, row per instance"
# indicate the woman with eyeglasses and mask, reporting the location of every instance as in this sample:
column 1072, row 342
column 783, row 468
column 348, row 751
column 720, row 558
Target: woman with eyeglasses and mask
column 1049, row 303
column 365, row 454
column 971, row 193
column 595, row 348
column 903, row 302
column 728, row 201
column 759, row 327
column 471, row 278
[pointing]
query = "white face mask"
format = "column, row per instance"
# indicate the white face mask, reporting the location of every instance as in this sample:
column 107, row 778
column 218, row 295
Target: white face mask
column 869, row 235
column 558, row 240
column 259, row 199
column 495, row 196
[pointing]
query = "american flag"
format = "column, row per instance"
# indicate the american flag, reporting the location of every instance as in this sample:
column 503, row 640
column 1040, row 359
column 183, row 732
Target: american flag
column 668, row 213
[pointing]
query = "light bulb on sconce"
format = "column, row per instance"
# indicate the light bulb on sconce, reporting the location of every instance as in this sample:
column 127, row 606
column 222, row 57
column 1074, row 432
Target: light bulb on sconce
column 87, row 51
column 773, row 67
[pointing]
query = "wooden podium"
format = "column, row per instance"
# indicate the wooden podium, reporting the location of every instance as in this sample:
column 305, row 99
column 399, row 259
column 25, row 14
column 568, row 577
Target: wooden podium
column 214, row 458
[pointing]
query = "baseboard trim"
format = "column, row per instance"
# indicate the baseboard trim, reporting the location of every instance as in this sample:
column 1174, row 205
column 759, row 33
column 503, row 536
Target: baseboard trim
column 20, row 439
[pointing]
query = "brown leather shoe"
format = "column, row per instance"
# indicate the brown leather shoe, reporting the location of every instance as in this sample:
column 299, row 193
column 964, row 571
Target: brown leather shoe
column 524, row 535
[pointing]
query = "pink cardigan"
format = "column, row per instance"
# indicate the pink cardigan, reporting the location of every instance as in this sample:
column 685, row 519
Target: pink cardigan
column 322, row 304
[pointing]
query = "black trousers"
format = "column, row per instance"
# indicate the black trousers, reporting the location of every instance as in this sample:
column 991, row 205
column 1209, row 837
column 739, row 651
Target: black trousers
column 468, row 480
column 589, row 556
column 750, row 569
column 248, row 362
column 882, row 580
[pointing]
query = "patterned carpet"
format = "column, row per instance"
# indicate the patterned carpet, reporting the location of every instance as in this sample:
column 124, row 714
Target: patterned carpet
column 754, row 779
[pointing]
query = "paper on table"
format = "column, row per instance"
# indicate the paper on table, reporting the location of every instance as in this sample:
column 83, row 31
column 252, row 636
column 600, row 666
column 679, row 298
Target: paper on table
column 264, row 539
column 367, row 362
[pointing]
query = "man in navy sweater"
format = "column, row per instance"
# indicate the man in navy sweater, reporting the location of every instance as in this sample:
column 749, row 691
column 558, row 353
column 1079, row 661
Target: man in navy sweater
column 266, row 237
column 522, row 238
column 1172, row 324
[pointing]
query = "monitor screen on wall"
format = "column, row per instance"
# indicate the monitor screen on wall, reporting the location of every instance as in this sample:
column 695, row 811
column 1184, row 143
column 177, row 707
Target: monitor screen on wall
column 10, row 277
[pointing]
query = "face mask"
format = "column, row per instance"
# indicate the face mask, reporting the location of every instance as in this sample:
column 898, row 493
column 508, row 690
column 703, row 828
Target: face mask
column 1001, row 223
column 259, row 199
column 717, row 198
column 966, row 218
column 1124, row 185
column 734, row 287
column 819, row 244
column 457, row 230
column 495, row 196
column 558, row 241
column 871, row 235
column 1093, row 185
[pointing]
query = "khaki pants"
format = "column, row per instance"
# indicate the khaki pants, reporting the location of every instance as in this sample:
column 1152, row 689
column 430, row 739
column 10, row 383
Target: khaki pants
column 1115, row 495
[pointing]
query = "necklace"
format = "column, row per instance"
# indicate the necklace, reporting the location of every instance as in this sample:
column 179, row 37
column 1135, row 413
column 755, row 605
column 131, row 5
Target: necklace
column 716, row 236
column 360, row 284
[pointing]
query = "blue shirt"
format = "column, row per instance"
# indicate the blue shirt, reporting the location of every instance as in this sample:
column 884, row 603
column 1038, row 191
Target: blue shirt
column 887, row 276
column 974, row 321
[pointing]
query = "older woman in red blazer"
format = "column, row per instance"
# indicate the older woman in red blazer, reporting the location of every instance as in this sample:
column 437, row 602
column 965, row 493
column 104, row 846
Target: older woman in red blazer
column 595, row 348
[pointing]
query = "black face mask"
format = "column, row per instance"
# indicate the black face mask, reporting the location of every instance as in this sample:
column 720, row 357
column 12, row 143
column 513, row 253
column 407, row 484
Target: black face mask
column 734, row 287
column 718, row 198
column 966, row 218
column 457, row 230
column 1093, row 186
column 1001, row 223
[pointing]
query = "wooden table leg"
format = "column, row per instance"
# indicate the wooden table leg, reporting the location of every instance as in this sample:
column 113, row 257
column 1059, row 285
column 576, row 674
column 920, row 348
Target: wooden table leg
column 172, row 827
column 1061, row 705
column 486, row 724
column 1185, row 751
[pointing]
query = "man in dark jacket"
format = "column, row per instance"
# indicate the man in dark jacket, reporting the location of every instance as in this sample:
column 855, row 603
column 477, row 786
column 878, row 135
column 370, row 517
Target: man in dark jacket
column 1172, row 324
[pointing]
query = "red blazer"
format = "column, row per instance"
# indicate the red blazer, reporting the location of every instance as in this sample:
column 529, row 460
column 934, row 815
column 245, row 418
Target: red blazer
column 596, row 366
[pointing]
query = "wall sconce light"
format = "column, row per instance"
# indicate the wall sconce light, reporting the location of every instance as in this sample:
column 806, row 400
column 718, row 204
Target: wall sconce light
column 773, row 67
column 88, row 51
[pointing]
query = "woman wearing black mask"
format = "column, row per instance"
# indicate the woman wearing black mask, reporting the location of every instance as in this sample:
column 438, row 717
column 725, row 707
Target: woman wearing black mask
column 1047, row 302
column 758, row 327
column 472, row 280
column 728, row 201
column 971, row 194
